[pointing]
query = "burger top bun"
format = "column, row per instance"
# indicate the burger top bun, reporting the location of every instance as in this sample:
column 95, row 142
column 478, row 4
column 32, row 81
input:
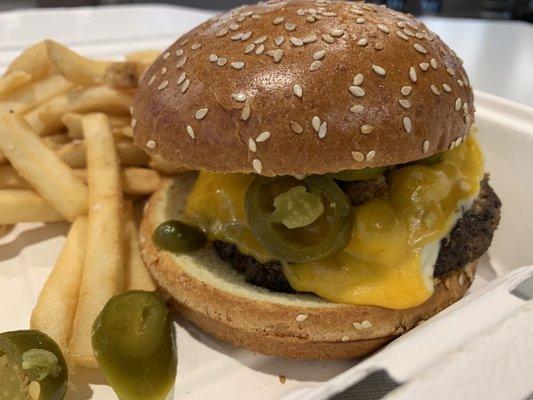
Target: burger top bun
column 301, row 87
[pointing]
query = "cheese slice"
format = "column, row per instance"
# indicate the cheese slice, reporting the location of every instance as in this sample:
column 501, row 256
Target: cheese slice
column 390, row 258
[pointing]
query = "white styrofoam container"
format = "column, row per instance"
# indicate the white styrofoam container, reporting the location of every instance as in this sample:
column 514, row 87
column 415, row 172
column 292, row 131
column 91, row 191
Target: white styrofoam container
column 210, row 369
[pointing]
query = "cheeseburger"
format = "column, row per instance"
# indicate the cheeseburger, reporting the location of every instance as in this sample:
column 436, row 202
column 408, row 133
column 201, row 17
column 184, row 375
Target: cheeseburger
column 336, row 195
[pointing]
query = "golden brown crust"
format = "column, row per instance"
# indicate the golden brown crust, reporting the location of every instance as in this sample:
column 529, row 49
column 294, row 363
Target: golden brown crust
column 179, row 89
column 211, row 294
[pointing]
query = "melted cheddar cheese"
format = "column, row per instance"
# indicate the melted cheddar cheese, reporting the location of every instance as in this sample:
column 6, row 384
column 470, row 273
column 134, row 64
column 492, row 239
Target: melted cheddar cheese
column 390, row 258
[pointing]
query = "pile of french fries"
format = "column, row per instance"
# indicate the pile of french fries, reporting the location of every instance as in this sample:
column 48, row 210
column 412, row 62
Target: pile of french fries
column 66, row 153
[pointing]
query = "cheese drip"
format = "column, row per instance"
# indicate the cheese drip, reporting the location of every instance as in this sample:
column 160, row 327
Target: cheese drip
column 383, row 264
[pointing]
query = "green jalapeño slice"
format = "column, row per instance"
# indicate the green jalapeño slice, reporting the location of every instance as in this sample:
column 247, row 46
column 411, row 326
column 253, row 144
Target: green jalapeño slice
column 364, row 174
column 178, row 237
column 32, row 367
column 133, row 343
column 299, row 220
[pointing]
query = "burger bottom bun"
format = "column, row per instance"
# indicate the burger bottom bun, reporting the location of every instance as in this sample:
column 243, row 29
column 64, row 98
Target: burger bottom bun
column 207, row 291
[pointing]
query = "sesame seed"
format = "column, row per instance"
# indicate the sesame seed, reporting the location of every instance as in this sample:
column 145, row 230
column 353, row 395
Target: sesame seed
column 279, row 40
column 383, row 28
column 465, row 107
column 297, row 42
column 446, row 88
column 370, row 155
column 240, row 18
column 234, row 27
column 356, row 12
column 378, row 70
column 260, row 40
column 366, row 129
column 357, row 109
column 315, row 65
column 163, row 70
column 237, row 36
column 362, row 42
column 151, row 144
column 366, row 324
column 401, row 24
column 202, row 112
column 181, row 62
column 190, row 131
column 166, row 55
column 310, row 38
column 458, row 104
column 357, row 91
column 402, row 35
column 245, row 113
column 418, row 47
column 310, row 19
column 246, row 36
column 262, row 137
column 434, row 89
column 322, row 130
column 179, row 52
column 461, row 280
column 182, row 78
column 424, row 66
column 152, row 80
column 237, row 64
column 425, row 146
column 213, row 57
column 301, row 317
column 408, row 32
column 406, row 90
column 251, row 145
column 133, row 123
column 326, row 37
column 290, row 27
column 450, row 71
column 163, row 85
column 278, row 54
column 256, row 16
column 249, row 48
column 358, row 156
column 300, row 12
column 278, row 20
column 260, row 49
column 336, row 32
column 378, row 46
column 407, row 124
column 412, row 74
column 318, row 55
column 296, row 127
column 419, row 35
column 412, row 26
column 315, row 122
column 297, row 90
column 329, row 14
column 433, row 63
column 241, row 97
column 405, row 103
column 358, row 79
column 221, row 32
column 258, row 167
column 360, row 20
column 357, row 325
column 196, row 46
column 368, row 7
column 345, row 339
column 460, row 82
column 221, row 61
column 185, row 85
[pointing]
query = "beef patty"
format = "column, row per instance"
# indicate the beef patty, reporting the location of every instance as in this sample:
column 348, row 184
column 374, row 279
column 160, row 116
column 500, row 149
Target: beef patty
column 468, row 240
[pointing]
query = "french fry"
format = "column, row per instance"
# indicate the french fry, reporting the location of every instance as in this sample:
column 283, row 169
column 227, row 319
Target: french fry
column 13, row 81
column 25, row 206
column 135, row 181
column 30, row 96
column 34, row 61
column 55, row 142
column 144, row 57
column 103, row 271
column 42, row 168
column 73, row 123
column 137, row 276
column 86, row 72
column 56, row 306
column 74, row 67
column 5, row 229
column 74, row 154
column 125, row 131
column 47, row 117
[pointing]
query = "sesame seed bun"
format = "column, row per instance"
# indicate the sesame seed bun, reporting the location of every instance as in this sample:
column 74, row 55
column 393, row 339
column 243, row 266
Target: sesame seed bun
column 303, row 87
column 207, row 291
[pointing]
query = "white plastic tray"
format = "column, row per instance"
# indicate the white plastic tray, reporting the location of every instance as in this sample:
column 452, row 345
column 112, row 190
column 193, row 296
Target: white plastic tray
column 207, row 368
